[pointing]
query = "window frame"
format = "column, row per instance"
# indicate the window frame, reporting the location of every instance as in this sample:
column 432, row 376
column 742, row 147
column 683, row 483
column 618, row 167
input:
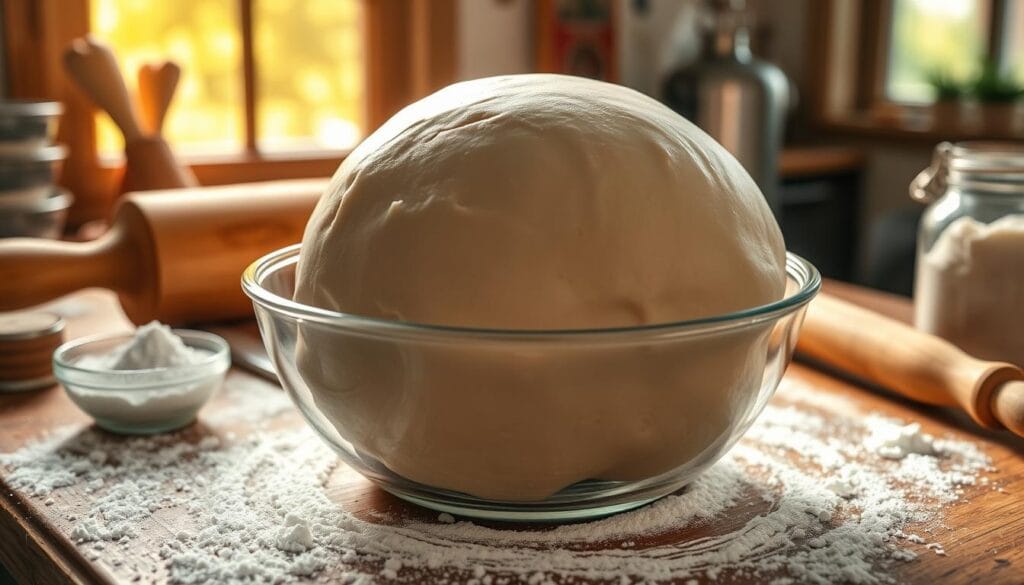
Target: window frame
column 849, row 73
column 410, row 49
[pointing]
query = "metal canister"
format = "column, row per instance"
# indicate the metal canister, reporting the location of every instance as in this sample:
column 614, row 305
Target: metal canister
column 741, row 101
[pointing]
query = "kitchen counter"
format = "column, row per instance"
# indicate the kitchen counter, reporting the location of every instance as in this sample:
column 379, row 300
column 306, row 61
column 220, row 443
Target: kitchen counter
column 982, row 534
column 814, row 161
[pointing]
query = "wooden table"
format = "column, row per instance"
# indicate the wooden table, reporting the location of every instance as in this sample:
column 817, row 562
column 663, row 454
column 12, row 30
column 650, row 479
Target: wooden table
column 984, row 536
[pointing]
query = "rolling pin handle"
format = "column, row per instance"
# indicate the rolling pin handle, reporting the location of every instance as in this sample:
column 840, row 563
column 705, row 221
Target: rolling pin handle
column 34, row 270
column 997, row 375
column 912, row 363
column 1008, row 406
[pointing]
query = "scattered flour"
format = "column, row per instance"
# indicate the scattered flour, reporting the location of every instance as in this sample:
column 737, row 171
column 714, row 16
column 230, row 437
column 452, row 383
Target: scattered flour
column 810, row 499
column 893, row 441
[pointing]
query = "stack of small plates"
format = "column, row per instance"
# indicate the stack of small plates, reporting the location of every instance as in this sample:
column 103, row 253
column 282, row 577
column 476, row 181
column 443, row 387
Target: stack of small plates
column 31, row 205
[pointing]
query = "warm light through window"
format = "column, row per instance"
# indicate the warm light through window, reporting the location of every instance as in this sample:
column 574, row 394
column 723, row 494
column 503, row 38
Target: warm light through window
column 207, row 115
column 309, row 73
column 1015, row 39
column 931, row 37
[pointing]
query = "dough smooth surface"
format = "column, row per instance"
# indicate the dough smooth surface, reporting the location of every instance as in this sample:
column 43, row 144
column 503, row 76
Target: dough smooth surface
column 540, row 202
column 537, row 202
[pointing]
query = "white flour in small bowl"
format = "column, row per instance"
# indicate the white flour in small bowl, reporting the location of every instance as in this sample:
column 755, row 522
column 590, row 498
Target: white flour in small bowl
column 151, row 382
column 154, row 345
column 804, row 498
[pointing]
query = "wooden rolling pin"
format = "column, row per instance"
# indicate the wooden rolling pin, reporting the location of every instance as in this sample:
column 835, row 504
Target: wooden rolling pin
column 914, row 364
column 174, row 255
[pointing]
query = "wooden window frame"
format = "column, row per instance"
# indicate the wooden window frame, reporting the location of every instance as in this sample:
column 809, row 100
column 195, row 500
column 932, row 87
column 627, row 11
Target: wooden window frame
column 848, row 61
column 410, row 49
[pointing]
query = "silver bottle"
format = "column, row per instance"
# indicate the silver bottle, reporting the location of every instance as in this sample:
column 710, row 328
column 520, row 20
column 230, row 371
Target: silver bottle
column 738, row 99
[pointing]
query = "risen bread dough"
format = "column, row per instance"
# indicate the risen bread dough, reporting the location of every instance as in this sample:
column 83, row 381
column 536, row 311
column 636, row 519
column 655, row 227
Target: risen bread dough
column 537, row 202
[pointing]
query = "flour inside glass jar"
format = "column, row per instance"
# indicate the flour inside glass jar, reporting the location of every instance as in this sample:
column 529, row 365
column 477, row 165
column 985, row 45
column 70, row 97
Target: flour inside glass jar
column 970, row 288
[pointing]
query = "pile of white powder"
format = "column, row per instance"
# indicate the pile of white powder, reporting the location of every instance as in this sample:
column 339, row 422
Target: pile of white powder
column 148, row 387
column 805, row 497
column 154, row 345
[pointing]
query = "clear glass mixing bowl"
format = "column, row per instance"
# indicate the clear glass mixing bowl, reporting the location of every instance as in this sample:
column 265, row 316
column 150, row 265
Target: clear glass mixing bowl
column 526, row 425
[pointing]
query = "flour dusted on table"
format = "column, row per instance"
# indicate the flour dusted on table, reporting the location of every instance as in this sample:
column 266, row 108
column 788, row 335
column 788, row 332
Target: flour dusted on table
column 894, row 441
column 810, row 499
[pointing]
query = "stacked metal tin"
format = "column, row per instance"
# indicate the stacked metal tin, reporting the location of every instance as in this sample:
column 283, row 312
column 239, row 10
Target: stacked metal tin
column 31, row 203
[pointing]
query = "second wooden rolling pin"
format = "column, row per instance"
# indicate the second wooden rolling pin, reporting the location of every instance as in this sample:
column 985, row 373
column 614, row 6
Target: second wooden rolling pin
column 174, row 255
column 912, row 363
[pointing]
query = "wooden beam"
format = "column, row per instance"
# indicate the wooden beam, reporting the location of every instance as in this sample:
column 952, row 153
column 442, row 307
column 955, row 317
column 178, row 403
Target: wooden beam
column 245, row 20
column 819, row 58
column 387, row 48
column 875, row 34
column 999, row 31
column 411, row 50
column 434, row 33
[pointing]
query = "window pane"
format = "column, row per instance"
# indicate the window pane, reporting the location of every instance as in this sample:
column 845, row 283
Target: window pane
column 1015, row 39
column 931, row 37
column 203, row 37
column 309, row 74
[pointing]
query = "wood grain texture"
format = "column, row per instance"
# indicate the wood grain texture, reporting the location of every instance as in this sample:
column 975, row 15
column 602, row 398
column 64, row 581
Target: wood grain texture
column 168, row 253
column 814, row 162
column 411, row 49
column 893, row 354
column 983, row 535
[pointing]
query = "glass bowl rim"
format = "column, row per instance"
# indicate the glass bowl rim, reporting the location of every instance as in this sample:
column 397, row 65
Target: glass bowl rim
column 216, row 364
column 800, row 270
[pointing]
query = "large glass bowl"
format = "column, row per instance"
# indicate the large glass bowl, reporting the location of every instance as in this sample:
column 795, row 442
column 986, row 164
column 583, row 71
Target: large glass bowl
column 526, row 425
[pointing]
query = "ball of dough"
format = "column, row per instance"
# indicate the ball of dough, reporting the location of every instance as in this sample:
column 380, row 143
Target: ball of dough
column 537, row 202
column 540, row 202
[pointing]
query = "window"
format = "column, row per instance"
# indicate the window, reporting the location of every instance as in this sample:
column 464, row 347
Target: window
column 1014, row 47
column 934, row 38
column 307, row 78
column 951, row 39
column 876, row 63
column 270, row 89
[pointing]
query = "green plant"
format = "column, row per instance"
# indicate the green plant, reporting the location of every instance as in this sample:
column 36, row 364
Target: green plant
column 947, row 87
column 991, row 85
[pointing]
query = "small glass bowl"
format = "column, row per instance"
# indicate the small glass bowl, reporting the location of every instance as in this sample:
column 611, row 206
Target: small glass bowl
column 526, row 425
column 147, row 401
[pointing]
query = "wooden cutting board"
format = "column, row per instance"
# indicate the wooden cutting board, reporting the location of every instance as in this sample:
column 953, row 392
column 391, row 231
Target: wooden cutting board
column 983, row 536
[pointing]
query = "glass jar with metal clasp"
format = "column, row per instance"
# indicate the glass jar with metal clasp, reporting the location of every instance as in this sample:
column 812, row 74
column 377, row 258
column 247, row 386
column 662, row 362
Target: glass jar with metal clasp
column 969, row 281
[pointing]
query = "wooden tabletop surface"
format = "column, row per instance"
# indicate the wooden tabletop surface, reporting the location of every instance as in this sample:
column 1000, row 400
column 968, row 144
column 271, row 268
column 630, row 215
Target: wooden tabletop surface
column 983, row 535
